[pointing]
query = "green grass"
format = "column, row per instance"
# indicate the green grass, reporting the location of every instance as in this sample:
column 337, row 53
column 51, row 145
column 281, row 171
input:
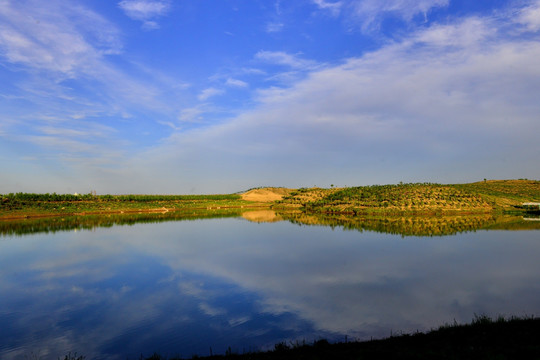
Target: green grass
column 505, row 193
column 24, row 204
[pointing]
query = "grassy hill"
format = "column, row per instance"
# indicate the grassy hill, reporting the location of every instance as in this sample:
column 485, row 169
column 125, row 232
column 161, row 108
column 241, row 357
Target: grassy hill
column 479, row 197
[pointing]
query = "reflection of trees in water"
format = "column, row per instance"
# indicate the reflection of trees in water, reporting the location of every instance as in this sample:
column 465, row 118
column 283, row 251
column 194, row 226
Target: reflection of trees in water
column 90, row 222
column 405, row 226
column 413, row 225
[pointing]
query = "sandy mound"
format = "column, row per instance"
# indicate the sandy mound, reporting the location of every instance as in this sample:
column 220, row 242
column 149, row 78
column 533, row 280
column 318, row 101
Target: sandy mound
column 266, row 194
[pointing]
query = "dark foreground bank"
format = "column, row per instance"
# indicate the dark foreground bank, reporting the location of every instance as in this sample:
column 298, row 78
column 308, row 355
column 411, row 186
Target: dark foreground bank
column 484, row 338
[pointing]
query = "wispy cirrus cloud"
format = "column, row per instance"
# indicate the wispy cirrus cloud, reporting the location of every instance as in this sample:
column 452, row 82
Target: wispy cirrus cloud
column 285, row 59
column 290, row 67
column 208, row 93
column 55, row 42
column 63, row 82
column 274, row 27
column 48, row 37
column 369, row 14
column 277, row 24
column 333, row 7
column 51, row 44
column 146, row 11
column 193, row 114
column 236, row 83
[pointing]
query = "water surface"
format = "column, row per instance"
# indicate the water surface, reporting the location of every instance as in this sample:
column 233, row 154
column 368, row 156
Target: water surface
column 181, row 287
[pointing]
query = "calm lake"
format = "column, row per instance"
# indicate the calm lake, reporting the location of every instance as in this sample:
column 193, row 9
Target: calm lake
column 116, row 288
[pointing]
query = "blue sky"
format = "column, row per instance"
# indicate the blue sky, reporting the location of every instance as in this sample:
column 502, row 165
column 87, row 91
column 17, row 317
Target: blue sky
column 215, row 96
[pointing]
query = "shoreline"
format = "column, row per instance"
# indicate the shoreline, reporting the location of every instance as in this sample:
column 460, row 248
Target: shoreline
column 376, row 212
column 416, row 199
column 126, row 211
column 482, row 338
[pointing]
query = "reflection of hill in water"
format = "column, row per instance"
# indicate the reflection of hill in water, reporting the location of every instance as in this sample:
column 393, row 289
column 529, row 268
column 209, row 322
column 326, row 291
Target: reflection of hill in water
column 89, row 222
column 415, row 225
column 527, row 222
column 262, row 216
column 405, row 226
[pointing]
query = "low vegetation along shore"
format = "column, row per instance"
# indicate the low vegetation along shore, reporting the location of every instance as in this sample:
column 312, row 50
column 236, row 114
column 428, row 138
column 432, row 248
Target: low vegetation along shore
column 418, row 198
column 484, row 338
column 24, row 205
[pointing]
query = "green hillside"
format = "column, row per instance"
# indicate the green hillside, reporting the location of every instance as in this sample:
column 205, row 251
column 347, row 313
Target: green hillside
column 480, row 197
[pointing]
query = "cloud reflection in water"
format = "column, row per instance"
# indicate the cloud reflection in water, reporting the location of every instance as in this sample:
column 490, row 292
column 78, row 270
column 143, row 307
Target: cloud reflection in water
column 182, row 287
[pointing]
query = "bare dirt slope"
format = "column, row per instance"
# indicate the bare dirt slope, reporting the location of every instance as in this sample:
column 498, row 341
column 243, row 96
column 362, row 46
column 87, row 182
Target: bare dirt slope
column 266, row 194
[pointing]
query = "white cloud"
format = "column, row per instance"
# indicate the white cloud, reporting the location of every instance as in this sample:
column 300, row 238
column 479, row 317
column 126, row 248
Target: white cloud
column 192, row 114
column 277, row 7
column 442, row 105
column 55, row 41
column 370, row 12
column 49, row 38
column 95, row 131
column 273, row 27
column 333, row 7
column 150, row 25
column 145, row 11
column 208, row 93
column 63, row 80
column 236, row 83
column 252, row 71
column 285, row 59
column 530, row 16
column 471, row 31
column 80, row 142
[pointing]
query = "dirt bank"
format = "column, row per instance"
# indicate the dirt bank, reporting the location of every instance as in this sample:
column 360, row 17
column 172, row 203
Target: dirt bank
column 266, row 194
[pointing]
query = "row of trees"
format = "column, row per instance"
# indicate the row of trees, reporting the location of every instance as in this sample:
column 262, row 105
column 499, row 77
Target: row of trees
column 29, row 197
column 22, row 197
column 149, row 198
